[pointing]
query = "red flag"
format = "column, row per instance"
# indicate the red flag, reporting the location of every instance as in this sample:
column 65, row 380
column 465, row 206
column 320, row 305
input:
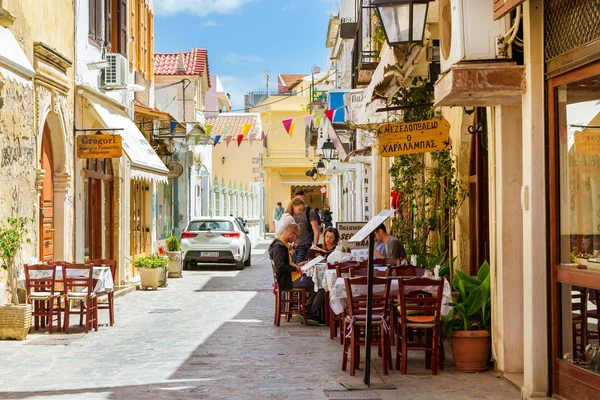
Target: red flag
column 239, row 139
column 262, row 135
column 329, row 114
column 287, row 124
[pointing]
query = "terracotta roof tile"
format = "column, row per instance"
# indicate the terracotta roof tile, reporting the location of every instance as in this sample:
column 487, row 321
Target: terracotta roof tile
column 236, row 121
column 194, row 62
column 290, row 79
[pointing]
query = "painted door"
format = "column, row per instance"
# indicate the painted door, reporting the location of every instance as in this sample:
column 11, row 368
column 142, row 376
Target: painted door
column 47, row 201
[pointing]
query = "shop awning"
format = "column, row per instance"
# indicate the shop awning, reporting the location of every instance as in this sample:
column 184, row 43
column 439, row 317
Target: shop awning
column 145, row 164
column 14, row 64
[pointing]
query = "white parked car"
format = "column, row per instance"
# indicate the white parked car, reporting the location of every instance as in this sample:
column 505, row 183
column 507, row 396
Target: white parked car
column 216, row 241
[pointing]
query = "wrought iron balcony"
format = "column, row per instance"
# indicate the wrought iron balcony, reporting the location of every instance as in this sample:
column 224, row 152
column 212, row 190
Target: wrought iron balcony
column 367, row 45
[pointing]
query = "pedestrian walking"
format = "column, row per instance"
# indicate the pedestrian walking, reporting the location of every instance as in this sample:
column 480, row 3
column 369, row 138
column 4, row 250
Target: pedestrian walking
column 309, row 229
column 327, row 218
column 277, row 214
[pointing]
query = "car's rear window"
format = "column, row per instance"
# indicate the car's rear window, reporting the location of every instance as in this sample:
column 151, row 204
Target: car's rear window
column 210, row 226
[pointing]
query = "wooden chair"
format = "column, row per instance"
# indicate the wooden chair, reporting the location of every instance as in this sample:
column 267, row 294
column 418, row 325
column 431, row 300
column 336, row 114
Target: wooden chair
column 355, row 323
column 429, row 319
column 579, row 312
column 78, row 281
column 342, row 269
column 386, row 261
column 397, row 271
column 289, row 302
column 40, row 293
column 110, row 294
column 364, row 271
column 594, row 297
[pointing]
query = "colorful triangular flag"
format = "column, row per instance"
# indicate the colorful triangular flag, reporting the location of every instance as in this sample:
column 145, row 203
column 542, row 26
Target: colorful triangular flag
column 251, row 138
column 318, row 120
column 196, row 139
column 189, row 127
column 330, row 113
column 287, row 124
column 262, row 135
column 217, row 138
column 245, row 129
column 291, row 129
column 239, row 139
column 225, row 130
column 227, row 140
column 208, row 129
column 172, row 126
column 308, row 119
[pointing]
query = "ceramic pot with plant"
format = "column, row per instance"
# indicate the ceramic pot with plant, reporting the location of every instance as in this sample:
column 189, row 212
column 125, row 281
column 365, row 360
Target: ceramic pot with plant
column 15, row 318
column 175, row 259
column 468, row 323
column 151, row 269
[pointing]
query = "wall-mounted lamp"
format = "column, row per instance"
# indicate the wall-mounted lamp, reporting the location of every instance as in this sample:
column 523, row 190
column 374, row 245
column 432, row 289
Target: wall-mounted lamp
column 222, row 160
column 96, row 65
column 403, row 20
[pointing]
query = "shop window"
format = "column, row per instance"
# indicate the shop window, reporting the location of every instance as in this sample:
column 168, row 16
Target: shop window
column 108, row 24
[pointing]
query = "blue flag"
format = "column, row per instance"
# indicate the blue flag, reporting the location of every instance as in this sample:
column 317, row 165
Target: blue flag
column 172, row 126
column 217, row 138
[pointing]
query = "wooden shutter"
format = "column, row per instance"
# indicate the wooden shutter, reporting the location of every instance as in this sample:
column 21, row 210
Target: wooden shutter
column 122, row 27
column 503, row 7
column 150, row 74
column 108, row 28
column 98, row 20
column 92, row 18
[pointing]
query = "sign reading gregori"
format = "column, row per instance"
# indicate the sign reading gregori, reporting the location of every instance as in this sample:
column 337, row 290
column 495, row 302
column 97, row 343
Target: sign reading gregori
column 413, row 137
column 99, row 146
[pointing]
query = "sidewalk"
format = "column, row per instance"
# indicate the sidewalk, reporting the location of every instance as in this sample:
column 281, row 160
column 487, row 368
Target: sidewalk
column 210, row 335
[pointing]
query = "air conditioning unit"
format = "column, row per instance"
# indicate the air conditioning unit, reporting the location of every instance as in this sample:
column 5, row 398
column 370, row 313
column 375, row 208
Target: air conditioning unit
column 468, row 32
column 117, row 73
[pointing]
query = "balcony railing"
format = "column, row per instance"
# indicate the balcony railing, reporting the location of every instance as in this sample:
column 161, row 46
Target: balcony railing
column 367, row 45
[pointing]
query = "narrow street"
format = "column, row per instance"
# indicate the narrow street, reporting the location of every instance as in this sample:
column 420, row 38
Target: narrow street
column 210, row 335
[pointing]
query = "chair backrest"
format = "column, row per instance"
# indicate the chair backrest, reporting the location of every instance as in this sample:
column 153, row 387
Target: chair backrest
column 77, row 276
column 364, row 271
column 386, row 261
column 104, row 262
column 405, row 270
column 40, row 278
column 343, row 268
column 410, row 296
column 356, row 290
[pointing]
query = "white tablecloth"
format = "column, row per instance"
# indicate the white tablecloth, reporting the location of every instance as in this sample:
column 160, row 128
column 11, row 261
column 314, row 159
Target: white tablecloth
column 102, row 275
column 337, row 294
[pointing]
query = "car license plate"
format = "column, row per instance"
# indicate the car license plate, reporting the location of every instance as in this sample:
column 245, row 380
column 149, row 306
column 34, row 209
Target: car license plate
column 212, row 254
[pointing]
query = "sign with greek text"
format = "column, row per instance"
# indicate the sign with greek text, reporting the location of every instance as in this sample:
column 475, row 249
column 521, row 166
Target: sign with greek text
column 99, row 146
column 413, row 137
column 587, row 142
column 347, row 230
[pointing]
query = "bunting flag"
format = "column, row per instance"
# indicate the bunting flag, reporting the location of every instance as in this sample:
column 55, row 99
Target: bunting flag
column 291, row 129
column 227, row 140
column 172, row 126
column 189, row 127
column 318, row 118
column 225, row 131
column 287, row 124
column 245, row 129
column 330, row 113
column 262, row 135
column 239, row 139
column 251, row 138
column 196, row 139
column 308, row 119
column 217, row 138
column 208, row 129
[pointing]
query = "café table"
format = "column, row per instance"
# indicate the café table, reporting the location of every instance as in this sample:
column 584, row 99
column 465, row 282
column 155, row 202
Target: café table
column 102, row 277
column 338, row 295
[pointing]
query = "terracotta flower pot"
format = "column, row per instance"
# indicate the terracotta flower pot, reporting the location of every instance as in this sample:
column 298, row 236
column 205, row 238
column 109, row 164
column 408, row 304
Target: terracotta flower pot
column 470, row 350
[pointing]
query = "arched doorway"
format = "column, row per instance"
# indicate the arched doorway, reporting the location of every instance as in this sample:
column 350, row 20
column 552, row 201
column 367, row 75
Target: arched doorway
column 46, row 228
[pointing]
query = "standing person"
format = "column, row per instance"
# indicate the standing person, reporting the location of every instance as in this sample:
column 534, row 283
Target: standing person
column 309, row 229
column 327, row 218
column 289, row 275
column 295, row 207
column 393, row 247
column 277, row 214
column 319, row 220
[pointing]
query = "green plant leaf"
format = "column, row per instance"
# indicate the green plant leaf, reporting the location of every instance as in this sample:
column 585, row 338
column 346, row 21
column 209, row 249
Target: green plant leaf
column 466, row 279
column 483, row 272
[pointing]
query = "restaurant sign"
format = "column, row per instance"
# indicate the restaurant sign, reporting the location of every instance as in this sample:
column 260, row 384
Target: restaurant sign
column 99, row 146
column 413, row 137
column 587, row 142
column 347, row 230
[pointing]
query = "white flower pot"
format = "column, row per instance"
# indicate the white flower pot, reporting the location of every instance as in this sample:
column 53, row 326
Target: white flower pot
column 175, row 264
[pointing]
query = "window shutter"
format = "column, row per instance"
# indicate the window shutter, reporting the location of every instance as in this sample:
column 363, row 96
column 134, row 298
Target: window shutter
column 150, row 75
column 503, row 7
column 98, row 20
column 122, row 15
column 92, row 18
column 108, row 18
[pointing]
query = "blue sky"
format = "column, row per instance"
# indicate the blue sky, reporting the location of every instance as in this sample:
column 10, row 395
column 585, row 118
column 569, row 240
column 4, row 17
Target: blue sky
column 245, row 38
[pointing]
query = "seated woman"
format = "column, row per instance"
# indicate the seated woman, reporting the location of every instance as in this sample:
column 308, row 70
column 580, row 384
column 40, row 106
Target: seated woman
column 331, row 238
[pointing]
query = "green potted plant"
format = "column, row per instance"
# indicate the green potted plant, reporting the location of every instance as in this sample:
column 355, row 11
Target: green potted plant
column 468, row 323
column 15, row 318
column 174, row 254
column 151, row 268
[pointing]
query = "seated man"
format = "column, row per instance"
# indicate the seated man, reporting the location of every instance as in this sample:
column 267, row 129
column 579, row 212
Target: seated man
column 290, row 276
column 393, row 247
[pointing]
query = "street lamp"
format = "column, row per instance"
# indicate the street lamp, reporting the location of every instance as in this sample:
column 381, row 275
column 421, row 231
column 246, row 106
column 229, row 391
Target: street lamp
column 321, row 167
column 328, row 150
column 403, row 20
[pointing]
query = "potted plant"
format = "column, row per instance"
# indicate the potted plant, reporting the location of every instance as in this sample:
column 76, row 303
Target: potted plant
column 468, row 323
column 174, row 254
column 15, row 318
column 151, row 268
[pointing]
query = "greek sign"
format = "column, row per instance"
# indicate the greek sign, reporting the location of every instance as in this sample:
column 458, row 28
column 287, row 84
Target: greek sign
column 347, row 230
column 99, row 146
column 587, row 142
column 413, row 137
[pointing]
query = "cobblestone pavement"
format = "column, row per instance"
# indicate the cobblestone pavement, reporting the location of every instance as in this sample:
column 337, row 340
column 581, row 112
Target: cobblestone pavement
column 210, row 335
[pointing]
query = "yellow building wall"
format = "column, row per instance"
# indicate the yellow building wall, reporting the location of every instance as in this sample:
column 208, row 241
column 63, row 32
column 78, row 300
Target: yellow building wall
column 233, row 163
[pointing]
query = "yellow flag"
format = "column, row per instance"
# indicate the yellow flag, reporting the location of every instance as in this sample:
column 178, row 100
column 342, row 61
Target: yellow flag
column 291, row 129
column 245, row 129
